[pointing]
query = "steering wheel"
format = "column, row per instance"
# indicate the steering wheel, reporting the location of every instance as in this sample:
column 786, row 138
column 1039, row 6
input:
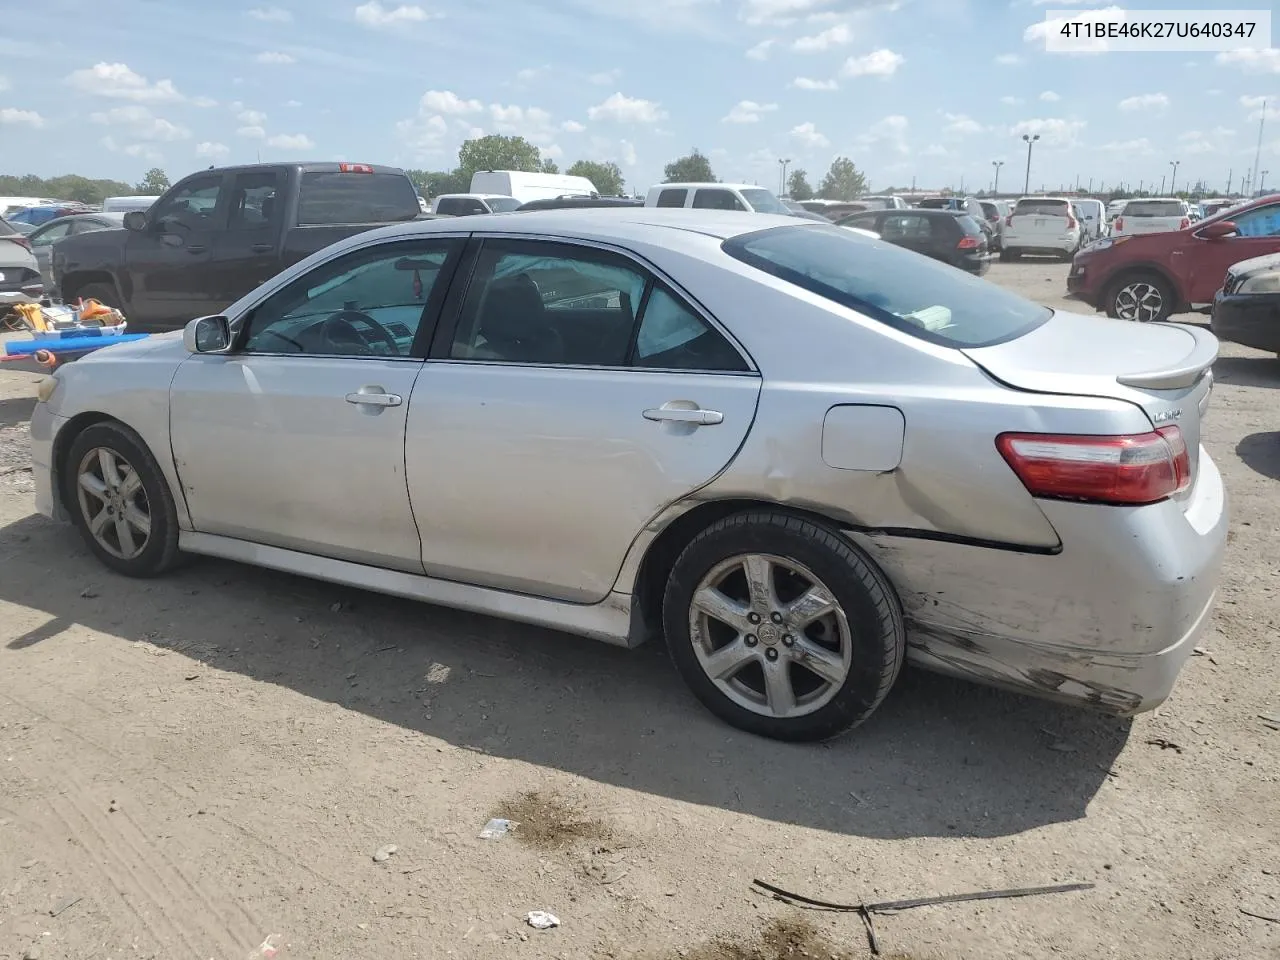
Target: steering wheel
column 338, row 330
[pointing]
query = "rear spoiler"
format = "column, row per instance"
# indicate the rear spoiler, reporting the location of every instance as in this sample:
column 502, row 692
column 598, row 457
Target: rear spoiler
column 1187, row 372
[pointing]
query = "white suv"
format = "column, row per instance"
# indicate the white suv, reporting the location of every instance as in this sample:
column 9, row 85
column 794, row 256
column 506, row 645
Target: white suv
column 1158, row 215
column 1041, row 225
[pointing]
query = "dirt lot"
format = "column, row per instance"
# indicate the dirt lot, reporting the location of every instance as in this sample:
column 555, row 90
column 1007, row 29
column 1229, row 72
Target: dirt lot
column 190, row 765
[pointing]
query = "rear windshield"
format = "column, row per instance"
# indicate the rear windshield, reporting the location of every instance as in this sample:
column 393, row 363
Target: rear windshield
column 503, row 204
column 925, row 298
column 968, row 224
column 936, row 203
column 1056, row 208
column 762, row 201
column 356, row 198
column 1153, row 208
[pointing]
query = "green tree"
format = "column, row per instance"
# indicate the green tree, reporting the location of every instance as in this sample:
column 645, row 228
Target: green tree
column 843, row 181
column 153, row 183
column 550, row 166
column 798, row 186
column 66, row 187
column 695, row 168
column 496, row 152
column 607, row 176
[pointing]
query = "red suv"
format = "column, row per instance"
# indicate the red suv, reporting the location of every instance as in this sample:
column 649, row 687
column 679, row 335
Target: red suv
column 1149, row 277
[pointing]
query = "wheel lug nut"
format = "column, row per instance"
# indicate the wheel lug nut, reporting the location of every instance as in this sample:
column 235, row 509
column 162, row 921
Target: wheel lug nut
column 753, row 617
column 771, row 654
column 751, row 640
column 788, row 641
column 776, row 617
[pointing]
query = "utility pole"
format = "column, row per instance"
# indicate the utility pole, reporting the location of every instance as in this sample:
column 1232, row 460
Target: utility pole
column 782, row 179
column 1262, row 180
column 1230, row 175
column 995, row 184
column 1174, row 178
column 1163, row 177
column 1258, row 153
column 1030, row 141
column 1091, row 184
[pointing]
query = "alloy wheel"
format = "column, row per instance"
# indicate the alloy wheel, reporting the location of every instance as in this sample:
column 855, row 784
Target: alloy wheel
column 1139, row 301
column 113, row 503
column 770, row 635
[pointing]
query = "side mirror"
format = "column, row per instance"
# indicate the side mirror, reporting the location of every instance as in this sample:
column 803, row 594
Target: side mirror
column 135, row 220
column 1220, row 229
column 207, row 335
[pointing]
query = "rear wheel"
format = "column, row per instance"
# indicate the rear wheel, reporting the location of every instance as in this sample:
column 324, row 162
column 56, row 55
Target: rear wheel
column 782, row 628
column 1141, row 298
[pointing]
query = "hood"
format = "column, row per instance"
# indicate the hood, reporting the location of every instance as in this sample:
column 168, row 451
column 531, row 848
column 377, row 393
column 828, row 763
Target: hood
column 1263, row 264
column 166, row 346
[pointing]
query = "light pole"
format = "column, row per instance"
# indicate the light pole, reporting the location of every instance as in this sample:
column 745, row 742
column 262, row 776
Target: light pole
column 1174, row 178
column 1163, row 178
column 782, row 181
column 1030, row 140
column 1262, row 179
column 995, row 186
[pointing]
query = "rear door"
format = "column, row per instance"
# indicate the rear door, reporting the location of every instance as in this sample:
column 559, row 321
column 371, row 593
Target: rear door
column 247, row 252
column 574, row 397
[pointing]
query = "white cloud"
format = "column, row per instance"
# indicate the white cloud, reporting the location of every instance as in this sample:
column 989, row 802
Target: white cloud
column 251, row 132
column 203, row 102
column 619, row 151
column 531, row 122
column 293, row 103
column 1252, row 61
column 252, row 118
column 623, row 109
column 118, row 81
column 748, row 111
column 761, row 50
column 1141, row 146
column 1049, row 97
column 1259, row 107
column 4, row 83
column 836, row 36
column 1009, row 101
column 808, row 135
column 889, row 133
column 572, row 126
column 935, row 150
column 530, row 73
column 627, row 151
column 139, row 123
column 1053, row 132
column 12, row 116
column 784, row 12
column 1144, row 101
column 291, row 141
column 552, row 152
column 1008, row 60
column 275, row 57
column 140, row 151
column 805, row 83
column 448, row 103
column 212, row 151
column 958, row 124
column 271, row 15
column 878, row 63
column 375, row 15
column 606, row 77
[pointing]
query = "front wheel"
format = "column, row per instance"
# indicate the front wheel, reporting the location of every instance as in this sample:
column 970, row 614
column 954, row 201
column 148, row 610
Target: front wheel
column 782, row 628
column 120, row 501
column 1141, row 298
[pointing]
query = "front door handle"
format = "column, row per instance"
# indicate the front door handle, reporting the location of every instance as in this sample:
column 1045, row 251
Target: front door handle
column 374, row 397
column 197, row 248
column 263, row 247
column 696, row 416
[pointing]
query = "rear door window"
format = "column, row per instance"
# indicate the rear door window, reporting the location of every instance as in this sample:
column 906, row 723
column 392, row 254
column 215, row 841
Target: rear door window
column 716, row 200
column 672, row 198
column 337, row 197
column 255, row 201
column 924, row 298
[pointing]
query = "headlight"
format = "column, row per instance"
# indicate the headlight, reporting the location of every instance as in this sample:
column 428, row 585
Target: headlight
column 47, row 387
column 1261, row 283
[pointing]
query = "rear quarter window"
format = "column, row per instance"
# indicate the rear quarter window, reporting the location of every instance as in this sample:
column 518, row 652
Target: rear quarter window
column 333, row 197
column 919, row 296
column 672, row 198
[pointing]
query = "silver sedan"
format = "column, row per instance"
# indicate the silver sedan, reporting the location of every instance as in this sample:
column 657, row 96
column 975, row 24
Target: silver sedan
column 799, row 454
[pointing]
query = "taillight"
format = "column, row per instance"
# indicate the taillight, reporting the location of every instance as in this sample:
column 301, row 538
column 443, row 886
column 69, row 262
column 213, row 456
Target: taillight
column 1118, row 223
column 1071, row 222
column 968, row 243
column 1184, row 224
column 1138, row 469
column 1008, row 221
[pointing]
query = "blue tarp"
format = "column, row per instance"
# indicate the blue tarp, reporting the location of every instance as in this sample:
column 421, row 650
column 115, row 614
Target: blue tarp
column 17, row 348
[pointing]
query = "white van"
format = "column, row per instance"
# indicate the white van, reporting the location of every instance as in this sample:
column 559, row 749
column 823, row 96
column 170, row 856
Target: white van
column 125, row 204
column 716, row 196
column 531, row 186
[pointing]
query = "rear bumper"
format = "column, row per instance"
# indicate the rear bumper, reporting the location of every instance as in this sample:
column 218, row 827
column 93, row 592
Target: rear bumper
column 1252, row 320
column 1107, row 623
column 1041, row 244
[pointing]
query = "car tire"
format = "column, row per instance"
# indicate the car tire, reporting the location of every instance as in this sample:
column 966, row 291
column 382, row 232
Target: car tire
column 1141, row 297
column 120, row 501
column 807, row 671
column 104, row 293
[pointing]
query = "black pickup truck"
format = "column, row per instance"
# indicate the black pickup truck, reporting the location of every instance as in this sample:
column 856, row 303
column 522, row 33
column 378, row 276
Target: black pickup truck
column 217, row 234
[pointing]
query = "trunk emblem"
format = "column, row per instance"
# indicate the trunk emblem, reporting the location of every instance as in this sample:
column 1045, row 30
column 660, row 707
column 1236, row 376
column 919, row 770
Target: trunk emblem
column 1164, row 416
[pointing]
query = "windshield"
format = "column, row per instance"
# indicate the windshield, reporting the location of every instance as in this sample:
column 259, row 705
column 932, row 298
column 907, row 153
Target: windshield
column 502, row 204
column 1154, row 208
column 762, row 201
column 928, row 299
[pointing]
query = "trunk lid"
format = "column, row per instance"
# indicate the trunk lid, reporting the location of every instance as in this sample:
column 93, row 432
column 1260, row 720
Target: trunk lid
column 1164, row 368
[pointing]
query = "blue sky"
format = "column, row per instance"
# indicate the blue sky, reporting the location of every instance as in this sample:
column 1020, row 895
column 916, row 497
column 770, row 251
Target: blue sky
column 930, row 89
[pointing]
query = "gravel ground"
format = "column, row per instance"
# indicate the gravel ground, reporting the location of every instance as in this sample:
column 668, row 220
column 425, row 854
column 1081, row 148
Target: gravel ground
column 191, row 765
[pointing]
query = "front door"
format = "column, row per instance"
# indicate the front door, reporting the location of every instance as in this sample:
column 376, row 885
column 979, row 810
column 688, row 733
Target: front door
column 1258, row 234
column 296, row 439
column 168, row 263
column 575, row 398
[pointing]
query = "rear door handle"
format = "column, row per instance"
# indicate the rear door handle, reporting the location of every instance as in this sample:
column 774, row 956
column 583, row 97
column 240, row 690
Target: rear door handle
column 702, row 418
column 374, row 397
column 263, row 247
column 197, row 248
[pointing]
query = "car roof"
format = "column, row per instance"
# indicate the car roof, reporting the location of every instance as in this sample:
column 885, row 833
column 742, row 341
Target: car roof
column 702, row 183
column 473, row 196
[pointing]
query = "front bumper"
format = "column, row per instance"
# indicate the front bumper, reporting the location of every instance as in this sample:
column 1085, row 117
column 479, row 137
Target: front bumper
column 1079, row 283
column 1106, row 623
column 1249, row 319
column 44, row 431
